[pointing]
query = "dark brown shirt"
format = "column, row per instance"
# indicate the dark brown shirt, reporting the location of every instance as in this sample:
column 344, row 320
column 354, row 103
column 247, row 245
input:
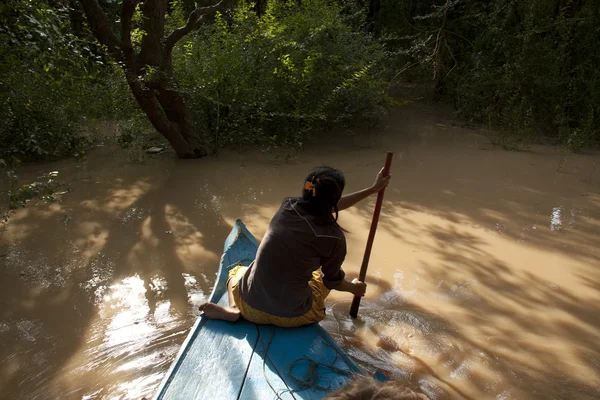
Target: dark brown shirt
column 293, row 247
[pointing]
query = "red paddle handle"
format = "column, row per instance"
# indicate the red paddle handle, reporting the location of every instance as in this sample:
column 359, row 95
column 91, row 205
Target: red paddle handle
column 365, row 264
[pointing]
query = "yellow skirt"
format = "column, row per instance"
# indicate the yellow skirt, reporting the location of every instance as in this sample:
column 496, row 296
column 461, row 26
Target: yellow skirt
column 315, row 314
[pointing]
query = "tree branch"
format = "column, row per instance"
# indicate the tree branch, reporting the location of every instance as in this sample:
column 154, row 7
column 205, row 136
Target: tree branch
column 438, row 42
column 127, row 12
column 151, row 52
column 101, row 28
column 150, row 105
column 193, row 19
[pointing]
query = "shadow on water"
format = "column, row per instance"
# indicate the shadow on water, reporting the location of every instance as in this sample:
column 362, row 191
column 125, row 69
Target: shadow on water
column 483, row 280
column 494, row 261
column 127, row 256
column 501, row 325
column 101, row 288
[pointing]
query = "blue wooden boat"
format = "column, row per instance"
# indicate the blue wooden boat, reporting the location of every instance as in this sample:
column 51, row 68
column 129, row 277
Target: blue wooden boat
column 242, row 360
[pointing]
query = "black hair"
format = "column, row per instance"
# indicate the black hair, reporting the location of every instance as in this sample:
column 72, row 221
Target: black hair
column 322, row 195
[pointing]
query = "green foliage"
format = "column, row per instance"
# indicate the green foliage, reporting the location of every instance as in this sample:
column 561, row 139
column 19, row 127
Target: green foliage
column 42, row 188
column 530, row 67
column 247, row 80
column 271, row 80
column 526, row 67
column 51, row 81
column 15, row 196
column 542, row 78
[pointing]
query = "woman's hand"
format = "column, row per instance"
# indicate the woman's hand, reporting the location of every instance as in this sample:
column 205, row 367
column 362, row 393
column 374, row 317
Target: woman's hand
column 358, row 288
column 355, row 287
column 381, row 181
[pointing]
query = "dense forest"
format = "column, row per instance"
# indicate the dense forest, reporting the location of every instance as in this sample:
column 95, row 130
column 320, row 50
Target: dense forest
column 208, row 75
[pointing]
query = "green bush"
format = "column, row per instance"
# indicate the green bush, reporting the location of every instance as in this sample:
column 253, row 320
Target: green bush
column 537, row 72
column 530, row 67
column 273, row 79
column 51, row 83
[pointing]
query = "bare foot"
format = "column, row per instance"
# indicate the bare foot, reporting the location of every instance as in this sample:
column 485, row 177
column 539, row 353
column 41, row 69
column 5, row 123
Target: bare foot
column 215, row 311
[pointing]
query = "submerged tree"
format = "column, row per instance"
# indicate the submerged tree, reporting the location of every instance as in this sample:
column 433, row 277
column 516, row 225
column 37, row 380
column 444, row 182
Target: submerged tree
column 149, row 66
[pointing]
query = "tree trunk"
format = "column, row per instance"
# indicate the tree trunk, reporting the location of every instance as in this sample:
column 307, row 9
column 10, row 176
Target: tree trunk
column 177, row 129
column 374, row 7
column 260, row 6
column 149, row 73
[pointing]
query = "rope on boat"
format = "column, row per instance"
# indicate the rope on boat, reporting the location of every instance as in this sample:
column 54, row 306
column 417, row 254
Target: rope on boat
column 311, row 379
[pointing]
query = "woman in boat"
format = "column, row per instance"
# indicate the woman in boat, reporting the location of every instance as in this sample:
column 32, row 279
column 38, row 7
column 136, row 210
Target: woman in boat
column 300, row 258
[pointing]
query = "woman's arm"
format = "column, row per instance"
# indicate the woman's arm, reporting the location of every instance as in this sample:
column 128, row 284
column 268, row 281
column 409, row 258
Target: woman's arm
column 351, row 199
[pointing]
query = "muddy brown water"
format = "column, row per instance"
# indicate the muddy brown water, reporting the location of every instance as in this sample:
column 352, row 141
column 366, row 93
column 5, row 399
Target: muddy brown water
column 484, row 281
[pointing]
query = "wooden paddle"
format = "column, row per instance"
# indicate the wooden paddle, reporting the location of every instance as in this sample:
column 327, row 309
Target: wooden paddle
column 363, row 268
